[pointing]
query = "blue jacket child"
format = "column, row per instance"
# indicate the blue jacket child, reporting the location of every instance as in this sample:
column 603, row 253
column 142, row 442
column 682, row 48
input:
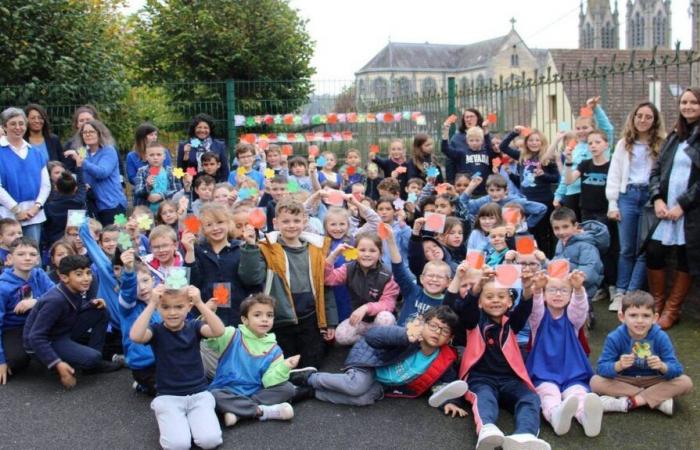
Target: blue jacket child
column 14, row 289
column 583, row 251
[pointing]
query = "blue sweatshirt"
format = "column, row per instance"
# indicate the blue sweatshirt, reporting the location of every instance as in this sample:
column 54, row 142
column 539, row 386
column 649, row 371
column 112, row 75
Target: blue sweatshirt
column 534, row 211
column 581, row 152
column 415, row 299
column 21, row 178
column 108, row 285
column 138, row 356
column 472, row 162
column 101, row 173
column 11, row 294
column 53, row 317
column 656, row 342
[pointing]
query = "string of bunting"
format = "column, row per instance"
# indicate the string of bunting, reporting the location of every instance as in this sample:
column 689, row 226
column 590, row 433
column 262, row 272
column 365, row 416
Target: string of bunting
column 330, row 118
column 339, row 136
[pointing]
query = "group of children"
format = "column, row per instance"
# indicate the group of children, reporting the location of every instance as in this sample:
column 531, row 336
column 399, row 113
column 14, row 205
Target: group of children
column 476, row 291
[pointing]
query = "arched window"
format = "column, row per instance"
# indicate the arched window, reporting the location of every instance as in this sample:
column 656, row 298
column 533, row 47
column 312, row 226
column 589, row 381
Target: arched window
column 404, row 86
column 588, row 36
column 480, row 81
column 463, row 84
column 380, row 89
column 361, row 89
column 428, row 85
column 659, row 30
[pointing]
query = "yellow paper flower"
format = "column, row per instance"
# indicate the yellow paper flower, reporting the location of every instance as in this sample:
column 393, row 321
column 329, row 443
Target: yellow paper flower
column 178, row 172
column 269, row 173
column 145, row 222
column 350, row 254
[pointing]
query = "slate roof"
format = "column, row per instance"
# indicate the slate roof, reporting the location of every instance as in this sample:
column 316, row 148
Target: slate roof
column 398, row 56
column 625, row 88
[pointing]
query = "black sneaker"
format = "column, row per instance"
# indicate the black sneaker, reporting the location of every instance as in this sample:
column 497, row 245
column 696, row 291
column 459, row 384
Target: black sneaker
column 300, row 377
column 103, row 367
column 303, row 393
column 591, row 320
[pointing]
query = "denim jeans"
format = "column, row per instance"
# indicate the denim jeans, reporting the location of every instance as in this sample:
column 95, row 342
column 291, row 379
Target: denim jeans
column 33, row 232
column 631, row 268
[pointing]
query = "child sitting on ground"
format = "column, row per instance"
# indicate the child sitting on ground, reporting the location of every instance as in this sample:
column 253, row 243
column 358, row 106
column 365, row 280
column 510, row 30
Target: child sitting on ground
column 184, row 407
column 397, row 362
column 492, row 364
column 251, row 380
column 638, row 365
column 557, row 364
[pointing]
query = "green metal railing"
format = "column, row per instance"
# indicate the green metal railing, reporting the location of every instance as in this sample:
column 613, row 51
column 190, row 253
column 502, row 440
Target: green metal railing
column 545, row 99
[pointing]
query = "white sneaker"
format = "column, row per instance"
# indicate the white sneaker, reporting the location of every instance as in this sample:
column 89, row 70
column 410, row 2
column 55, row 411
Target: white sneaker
column 230, row 419
column 562, row 415
column 592, row 414
column 616, row 303
column 490, row 437
column 601, row 295
column 524, row 441
column 614, row 404
column 667, row 407
column 456, row 389
column 281, row 411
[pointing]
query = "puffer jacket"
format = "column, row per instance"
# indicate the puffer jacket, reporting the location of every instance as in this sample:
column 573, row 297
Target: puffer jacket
column 583, row 251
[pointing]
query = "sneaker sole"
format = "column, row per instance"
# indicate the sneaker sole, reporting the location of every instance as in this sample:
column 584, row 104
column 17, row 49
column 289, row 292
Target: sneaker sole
column 512, row 444
column 304, row 369
column 592, row 408
column 567, row 415
column 490, row 442
column 455, row 389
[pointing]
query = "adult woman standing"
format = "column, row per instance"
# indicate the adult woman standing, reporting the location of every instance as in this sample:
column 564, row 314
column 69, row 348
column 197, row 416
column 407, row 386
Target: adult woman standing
column 24, row 180
column 81, row 116
column 39, row 133
column 674, row 190
column 100, row 170
column 200, row 141
column 627, row 191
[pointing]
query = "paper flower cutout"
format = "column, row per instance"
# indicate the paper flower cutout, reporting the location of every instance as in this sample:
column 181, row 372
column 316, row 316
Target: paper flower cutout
column 76, row 217
column 320, row 161
column 492, row 118
column 257, row 218
column 412, row 198
column 432, row 171
column 287, row 150
column 178, row 172
column 144, row 222
column 564, row 126
column 351, row 170
column 475, row 259
column 124, row 241
column 269, row 173
column 313, row 151
column 241, row 171
column 442, row 188
column 244, row 194
column 558, row 268
column 191, row 171
column 221, row 294
column 398, row 204
column 154, row 171
column 435, row 222
column 525, row 245
column 120, row 219
column 192, row 224
column 496, row 163
column 383, row 231
column 511, row 216
column 642, row 349
column 374, row 148
column 335, row 198
column 508, row 275
column 82, row 152
column 195, row 143
column 401, row 169
column 525, row 132
column 586, row 112
column 571, row 144
column 292, row 187
column 350, row 254
column 177, row 278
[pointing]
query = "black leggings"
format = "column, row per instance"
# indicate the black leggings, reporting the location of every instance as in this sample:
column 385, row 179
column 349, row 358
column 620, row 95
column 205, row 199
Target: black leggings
column 657, row 254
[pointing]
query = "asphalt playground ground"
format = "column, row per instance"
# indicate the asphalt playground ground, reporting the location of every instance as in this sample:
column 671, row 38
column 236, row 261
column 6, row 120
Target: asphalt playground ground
column 103, row 412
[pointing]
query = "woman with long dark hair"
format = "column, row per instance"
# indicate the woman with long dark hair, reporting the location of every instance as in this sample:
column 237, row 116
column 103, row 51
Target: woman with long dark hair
column 39, row 133
column 200, row 139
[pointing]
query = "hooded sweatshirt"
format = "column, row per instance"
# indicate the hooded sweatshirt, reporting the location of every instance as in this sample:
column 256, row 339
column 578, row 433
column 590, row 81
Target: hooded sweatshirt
column 583, row 251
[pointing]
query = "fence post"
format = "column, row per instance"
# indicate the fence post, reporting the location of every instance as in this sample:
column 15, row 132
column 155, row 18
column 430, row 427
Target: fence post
column 451, row 100
column 604, row 92
column 230, row 121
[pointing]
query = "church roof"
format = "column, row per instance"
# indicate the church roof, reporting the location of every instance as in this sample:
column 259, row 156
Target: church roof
column 398, row 56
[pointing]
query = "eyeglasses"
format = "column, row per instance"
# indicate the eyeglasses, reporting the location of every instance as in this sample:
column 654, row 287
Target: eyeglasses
column 444, row 331
column 530, row 264
column 554, row 291
column 434, row 276
column 89, row 132
column 158, row 248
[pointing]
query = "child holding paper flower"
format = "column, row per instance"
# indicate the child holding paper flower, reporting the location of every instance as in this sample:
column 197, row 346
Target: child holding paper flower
column 352, row 172
column 155, row 182
column 372, row 289
column 557, row 363
column 422, row 160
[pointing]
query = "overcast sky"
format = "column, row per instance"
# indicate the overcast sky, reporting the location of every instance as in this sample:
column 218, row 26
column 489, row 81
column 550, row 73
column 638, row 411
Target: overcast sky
column 349, row 33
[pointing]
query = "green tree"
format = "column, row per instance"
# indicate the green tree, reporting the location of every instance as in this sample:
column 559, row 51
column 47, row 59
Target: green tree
column 212, row 40
column 62, row 53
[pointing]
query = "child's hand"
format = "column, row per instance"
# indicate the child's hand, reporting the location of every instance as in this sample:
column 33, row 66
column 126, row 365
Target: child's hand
column 182, row 205
column 212, row 304
column 66, row 374
column 4, row 372
column 249, row 235
column 418, row 225
column 312, row 167
column 128, row 258
column 454, row 410
column 510, row 229
column 576, row 278
column 187, row 240
column 194, row 295
column 538, row 171
column 98, row 303
column 475, row 182
column 341, row 248
column 156, row 293
column 518, row 128
column 357, row 315
column 292, row 362
column 25, row 305
column 539, row 280
column 539, row 254
column 626, row 361
column 654, row 362
column 401, row 216
column 511, row 255
column 593, row 102
column 328, row 334
column 614, row 216
column 414, row 330
column 187, row 182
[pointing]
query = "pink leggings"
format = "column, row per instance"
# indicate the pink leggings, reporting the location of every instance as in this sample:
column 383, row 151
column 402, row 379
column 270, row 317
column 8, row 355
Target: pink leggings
column 347, row 334
column 551, row 397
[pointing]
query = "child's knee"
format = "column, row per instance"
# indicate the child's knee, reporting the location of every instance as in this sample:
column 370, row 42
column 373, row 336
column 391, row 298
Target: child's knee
column 346, row 334
column 212, row 440
column 176, row 441
column 385, row 319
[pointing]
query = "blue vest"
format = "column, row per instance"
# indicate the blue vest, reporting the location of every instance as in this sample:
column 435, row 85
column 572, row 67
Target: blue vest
column 557, row 356
column 241, row 372
column 21, row 178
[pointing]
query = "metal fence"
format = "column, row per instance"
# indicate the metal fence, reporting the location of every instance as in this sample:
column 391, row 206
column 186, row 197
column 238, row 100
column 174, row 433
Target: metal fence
column 547, row 99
